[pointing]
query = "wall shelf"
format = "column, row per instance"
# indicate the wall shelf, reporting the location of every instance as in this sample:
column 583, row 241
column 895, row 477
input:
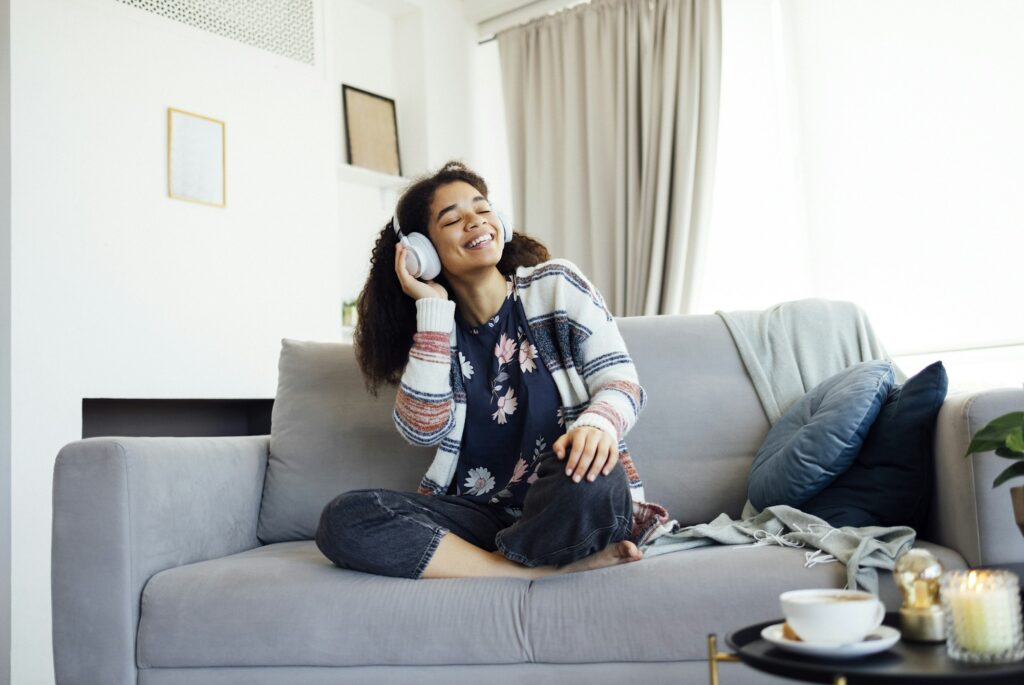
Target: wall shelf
column 357, row 174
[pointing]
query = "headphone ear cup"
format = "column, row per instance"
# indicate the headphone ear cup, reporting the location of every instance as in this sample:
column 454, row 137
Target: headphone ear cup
column 506, row 225
column 428, row 260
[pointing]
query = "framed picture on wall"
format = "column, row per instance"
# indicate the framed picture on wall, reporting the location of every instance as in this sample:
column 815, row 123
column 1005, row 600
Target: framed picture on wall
column 371, row 130
column 195, row 158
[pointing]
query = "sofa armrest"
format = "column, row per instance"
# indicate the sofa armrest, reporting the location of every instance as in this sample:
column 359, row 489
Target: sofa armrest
column 125, row 508
column 968, row 514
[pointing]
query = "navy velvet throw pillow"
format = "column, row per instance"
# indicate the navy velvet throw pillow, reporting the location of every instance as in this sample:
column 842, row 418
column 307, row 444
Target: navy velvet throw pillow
column 819, row 436
column 890, row 482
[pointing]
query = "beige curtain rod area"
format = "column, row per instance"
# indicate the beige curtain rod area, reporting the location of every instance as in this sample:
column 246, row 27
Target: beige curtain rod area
column 523, row 15
column 631, row 210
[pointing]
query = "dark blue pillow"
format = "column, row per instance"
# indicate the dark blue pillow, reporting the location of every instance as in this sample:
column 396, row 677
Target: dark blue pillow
column 890, row 482
column 819, row 436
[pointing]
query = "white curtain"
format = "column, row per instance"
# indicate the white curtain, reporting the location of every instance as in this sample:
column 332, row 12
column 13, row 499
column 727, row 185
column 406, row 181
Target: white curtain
column 612, row 111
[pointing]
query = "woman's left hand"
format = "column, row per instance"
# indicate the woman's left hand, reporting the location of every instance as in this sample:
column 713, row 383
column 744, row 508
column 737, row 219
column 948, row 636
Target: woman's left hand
column 590, row 448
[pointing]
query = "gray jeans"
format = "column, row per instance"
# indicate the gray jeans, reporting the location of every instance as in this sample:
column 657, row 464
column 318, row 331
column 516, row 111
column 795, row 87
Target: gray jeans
column 394, row 533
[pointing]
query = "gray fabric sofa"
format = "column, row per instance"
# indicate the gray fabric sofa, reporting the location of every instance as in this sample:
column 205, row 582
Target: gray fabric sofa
column 189, row 560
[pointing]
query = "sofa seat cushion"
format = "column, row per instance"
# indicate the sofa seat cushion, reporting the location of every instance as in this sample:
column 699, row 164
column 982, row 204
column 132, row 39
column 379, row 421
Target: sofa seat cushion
column 663, row 608
column 286, row 605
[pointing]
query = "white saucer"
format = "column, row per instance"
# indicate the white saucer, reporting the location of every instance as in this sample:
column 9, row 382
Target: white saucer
column 878, row 640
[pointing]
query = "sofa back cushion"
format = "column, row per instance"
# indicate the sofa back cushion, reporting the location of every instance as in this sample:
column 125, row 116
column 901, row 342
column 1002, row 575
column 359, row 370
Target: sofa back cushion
column 696, row 438
column 328, row 435
column 692, row 445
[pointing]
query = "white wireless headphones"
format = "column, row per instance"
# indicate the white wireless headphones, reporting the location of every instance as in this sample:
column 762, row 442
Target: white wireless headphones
column 422, row 260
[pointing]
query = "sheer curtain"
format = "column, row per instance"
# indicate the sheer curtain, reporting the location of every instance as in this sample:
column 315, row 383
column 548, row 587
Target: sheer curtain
column 612, row 111
column 880, row 176
column 759, row 247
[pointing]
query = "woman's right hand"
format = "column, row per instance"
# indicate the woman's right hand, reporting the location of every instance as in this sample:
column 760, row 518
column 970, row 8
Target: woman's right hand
column 412, row 286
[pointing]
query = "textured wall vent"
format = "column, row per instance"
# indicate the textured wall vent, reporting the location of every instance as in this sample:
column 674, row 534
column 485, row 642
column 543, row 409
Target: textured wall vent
column 281, row 26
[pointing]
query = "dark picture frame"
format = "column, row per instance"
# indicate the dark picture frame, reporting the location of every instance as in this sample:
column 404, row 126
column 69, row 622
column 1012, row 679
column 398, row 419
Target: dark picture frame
column 371, row 130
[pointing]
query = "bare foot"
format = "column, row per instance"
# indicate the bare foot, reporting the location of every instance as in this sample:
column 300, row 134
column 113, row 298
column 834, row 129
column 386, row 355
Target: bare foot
column 619, row 552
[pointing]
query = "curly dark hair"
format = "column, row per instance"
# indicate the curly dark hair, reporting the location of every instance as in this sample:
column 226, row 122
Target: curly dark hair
column 386, row 315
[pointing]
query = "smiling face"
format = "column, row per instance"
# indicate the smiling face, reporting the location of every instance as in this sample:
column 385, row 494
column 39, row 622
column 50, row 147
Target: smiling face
column 464, row 229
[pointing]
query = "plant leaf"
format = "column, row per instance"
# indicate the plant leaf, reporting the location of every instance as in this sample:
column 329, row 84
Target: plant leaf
column 1013, row 471
column 1015, row 440
column 993, row 434
column 1009, row 454
column 984, row 445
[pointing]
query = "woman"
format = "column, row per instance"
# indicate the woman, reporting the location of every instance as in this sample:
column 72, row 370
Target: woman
column 494, row 358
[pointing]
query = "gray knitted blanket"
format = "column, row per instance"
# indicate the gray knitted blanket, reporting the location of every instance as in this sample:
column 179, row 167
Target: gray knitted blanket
column 791, row 347
column 863, row 550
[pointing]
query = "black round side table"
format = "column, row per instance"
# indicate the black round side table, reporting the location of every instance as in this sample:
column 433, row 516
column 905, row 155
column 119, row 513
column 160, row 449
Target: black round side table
column 906, row 662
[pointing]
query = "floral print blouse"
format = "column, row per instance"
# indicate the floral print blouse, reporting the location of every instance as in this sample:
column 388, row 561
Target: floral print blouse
column 513, row 410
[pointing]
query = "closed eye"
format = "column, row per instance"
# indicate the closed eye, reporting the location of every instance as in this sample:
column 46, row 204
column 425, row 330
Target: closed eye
column 479, row 211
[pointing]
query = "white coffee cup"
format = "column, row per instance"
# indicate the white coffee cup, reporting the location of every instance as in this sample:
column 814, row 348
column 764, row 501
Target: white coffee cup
column 831, row 617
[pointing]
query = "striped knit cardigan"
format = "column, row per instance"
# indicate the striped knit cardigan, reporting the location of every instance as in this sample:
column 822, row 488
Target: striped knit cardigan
column 578, row 342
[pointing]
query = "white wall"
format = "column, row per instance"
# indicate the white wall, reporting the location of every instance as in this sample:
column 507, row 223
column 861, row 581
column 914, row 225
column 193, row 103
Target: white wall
column 895, row 126
column 119, row 291
column 5, row 339
column 451, row 105
column 363, row 31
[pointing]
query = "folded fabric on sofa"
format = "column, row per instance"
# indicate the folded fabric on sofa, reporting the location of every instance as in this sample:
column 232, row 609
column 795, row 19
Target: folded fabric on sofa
column 863, row 550
column 783, row 351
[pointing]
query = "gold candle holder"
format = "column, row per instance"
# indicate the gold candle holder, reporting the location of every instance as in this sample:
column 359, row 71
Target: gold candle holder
column 917, row 573
column 983, row 616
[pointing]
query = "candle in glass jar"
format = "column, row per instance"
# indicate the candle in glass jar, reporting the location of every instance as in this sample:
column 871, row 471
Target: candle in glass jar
column 984, row 613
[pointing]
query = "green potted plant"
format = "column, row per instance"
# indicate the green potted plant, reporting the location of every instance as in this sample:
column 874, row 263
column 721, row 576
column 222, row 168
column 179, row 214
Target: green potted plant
column 1005, row 435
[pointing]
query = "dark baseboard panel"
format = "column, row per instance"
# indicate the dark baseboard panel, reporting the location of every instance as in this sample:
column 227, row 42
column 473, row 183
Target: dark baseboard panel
column 175, row 418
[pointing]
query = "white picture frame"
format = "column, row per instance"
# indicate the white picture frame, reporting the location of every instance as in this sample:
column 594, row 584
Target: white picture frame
column 196, row 154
